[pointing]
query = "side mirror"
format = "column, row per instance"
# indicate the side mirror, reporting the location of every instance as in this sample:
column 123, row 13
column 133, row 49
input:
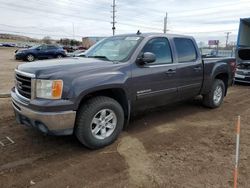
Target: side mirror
column 147, row 57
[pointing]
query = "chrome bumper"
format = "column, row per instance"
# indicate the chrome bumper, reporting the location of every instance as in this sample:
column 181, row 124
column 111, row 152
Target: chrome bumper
column 57, row 123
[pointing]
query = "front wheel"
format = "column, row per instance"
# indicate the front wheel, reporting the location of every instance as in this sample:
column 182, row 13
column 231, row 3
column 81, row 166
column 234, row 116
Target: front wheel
column 216, row 95
column 99, row 122
column 59, row 56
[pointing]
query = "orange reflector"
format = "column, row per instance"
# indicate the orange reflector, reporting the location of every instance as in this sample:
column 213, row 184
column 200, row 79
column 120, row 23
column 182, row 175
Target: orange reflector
column 57, row 87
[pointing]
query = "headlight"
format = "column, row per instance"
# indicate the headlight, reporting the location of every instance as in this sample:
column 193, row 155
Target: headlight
column 49, row 89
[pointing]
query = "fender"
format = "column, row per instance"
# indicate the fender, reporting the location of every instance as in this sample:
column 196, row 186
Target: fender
column 87, row 84
column 212, row 69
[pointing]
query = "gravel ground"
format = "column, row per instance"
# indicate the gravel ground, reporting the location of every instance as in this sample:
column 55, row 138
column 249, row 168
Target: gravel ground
column 182, row 145
column 7, row 67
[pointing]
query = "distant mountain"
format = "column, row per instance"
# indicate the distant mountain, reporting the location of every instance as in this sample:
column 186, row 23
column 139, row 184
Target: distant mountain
column 17, row 37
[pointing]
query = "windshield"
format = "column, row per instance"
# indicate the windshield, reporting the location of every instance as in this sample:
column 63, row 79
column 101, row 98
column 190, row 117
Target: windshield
column 34, row 47
column 114, row 48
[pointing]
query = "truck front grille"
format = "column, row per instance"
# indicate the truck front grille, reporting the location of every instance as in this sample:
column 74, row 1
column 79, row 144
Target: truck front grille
column 23, row 85
column 242, row 72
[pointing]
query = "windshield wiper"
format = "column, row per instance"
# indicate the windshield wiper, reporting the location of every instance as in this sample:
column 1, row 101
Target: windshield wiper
column 100, row 57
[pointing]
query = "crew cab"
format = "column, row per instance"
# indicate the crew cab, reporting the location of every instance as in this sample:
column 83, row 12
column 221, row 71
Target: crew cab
column 94, row 96
column 44, row 51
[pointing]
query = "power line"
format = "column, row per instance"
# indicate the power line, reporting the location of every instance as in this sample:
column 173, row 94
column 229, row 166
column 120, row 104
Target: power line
column 210, row 14
column 38, row 34
column 217, row 12
column 49, row 12
column 17, row 8
column 28, row 27
column 207, row 8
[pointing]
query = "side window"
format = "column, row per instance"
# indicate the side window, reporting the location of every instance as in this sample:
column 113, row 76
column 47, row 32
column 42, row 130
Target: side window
column 51, row 47
column 186, row 50
column 161, row 48
column 43, row 47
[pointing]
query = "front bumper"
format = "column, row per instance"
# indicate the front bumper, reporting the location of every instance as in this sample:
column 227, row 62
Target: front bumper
column 55, row 123
column 244, row 78
column 20, row 56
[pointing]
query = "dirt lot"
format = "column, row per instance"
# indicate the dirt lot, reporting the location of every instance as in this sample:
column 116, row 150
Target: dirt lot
column 7, row 67
column 182, row 145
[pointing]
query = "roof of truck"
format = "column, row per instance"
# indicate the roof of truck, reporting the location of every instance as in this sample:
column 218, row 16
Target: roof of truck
column 154, row 34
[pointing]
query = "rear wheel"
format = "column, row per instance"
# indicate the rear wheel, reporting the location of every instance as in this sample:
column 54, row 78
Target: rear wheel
column 215, row 97
column 30, row 57
column 99, row 122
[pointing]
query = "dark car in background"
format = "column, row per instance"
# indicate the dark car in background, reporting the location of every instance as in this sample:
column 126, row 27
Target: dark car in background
column 8, row 45
column 43, row 51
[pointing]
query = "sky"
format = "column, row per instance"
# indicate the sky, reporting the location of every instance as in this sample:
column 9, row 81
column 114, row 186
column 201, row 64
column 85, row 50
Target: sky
column 205, row 20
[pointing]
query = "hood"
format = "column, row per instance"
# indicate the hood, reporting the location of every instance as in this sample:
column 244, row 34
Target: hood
column 21, row 50
column 59, row 67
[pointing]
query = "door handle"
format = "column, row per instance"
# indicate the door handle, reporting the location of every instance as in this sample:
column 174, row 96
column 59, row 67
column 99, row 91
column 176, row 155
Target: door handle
column 197, row 69
column 171, row 71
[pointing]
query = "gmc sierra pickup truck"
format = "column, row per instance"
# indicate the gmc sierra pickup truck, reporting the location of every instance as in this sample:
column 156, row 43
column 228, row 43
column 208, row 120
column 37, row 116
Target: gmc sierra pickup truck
column 93, row 96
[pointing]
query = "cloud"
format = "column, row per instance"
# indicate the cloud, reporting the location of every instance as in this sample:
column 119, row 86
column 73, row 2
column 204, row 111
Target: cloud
column 204, row 20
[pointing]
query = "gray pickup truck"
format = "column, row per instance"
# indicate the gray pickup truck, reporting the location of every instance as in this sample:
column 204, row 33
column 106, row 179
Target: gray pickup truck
column 93, row 96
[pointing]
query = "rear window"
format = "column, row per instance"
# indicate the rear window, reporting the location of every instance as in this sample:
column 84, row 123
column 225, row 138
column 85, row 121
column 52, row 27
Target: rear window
column 186, row 50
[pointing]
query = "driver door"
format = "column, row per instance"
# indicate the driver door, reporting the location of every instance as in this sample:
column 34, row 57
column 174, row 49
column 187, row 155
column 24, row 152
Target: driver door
column 155, row 84
column 41, row 53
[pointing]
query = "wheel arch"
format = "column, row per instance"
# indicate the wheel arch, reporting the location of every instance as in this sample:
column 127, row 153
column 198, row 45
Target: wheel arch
column 117, row 94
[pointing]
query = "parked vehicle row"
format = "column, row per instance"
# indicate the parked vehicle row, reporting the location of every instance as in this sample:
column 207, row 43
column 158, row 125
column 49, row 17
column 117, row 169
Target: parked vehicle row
column 8, row 44
column 94, row 96
column 45, row 51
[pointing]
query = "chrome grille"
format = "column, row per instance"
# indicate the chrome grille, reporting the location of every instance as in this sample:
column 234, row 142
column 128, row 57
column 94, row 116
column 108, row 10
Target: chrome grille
column 23, row 85
column 243, row 72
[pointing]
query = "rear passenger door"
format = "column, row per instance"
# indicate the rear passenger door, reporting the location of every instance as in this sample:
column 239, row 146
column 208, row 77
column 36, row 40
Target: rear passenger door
column 190, row 68
column 51, row 51
column 41, row 53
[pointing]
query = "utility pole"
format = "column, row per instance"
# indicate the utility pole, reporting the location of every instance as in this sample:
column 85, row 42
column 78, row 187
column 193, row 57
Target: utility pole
column 165, row 23
column 113, row 17
column 73, row 27
column 227, row 37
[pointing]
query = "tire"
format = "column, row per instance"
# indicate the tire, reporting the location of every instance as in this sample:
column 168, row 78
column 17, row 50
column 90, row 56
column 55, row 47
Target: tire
column 30, row 57
column 59, row 56
column 93, row 111
column 216, row 95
